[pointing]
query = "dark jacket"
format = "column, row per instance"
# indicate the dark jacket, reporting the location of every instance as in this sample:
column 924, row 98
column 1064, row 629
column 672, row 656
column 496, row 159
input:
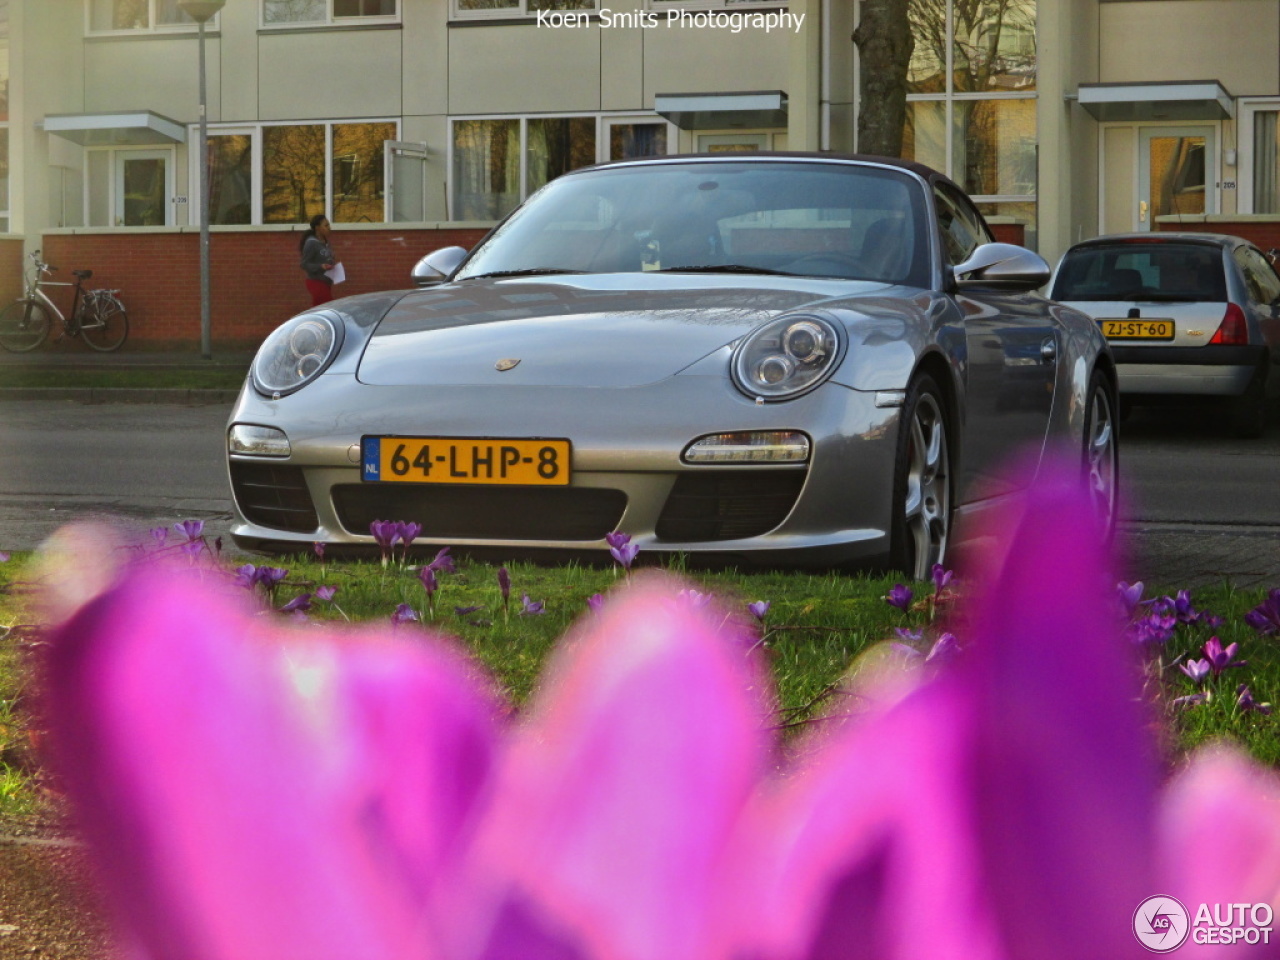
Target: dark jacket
column 315, row 254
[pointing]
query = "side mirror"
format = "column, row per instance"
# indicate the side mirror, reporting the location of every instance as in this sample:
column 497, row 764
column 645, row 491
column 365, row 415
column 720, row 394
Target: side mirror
column 437, row 266
column 1003, row 266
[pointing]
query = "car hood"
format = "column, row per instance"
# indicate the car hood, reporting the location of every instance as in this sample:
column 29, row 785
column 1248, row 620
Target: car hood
column 597, row 330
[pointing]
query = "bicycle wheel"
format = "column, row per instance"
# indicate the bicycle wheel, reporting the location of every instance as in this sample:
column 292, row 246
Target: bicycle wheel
column 103, row 323
column 23, row 326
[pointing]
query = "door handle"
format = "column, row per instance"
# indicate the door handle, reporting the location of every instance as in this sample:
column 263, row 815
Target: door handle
column 1049, row 351
column 1142, row 211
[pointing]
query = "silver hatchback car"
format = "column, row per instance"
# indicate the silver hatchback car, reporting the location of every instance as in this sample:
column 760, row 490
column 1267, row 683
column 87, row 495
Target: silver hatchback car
column 1188, row 315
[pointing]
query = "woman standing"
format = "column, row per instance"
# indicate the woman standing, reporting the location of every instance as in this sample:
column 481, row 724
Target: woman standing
column 317, row 258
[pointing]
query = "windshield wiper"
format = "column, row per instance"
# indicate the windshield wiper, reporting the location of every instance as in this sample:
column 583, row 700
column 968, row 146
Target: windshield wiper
column 725, row 268
column 530, row 272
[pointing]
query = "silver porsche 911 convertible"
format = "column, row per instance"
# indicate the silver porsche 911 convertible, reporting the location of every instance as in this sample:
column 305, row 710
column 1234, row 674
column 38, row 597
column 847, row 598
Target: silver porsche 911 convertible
column 802, row 359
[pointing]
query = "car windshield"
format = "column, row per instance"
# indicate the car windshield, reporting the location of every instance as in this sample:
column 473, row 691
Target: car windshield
column 1142, row 271
column 770, row 217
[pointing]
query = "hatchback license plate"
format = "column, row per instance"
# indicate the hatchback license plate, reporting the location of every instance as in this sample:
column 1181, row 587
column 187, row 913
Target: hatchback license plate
column 1137, row 329
column 484, row 460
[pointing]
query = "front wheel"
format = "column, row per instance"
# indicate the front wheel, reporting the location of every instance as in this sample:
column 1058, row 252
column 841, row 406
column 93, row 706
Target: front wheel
column 1101, row 463
column 23, row 326
column 104, row 324
column 922, row 482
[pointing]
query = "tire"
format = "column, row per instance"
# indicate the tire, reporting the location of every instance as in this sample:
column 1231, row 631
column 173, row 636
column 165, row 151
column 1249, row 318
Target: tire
column 104, row 323
column 1249, row 411
column 921, row 524
column 1100, row 460
column 23, row 326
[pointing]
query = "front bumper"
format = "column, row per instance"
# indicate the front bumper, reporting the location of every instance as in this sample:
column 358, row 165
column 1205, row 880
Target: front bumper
column 1211, row 370
column 627, row 471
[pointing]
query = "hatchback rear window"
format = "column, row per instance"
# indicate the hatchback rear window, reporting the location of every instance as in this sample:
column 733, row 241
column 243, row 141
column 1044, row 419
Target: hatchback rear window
column 1142, row 271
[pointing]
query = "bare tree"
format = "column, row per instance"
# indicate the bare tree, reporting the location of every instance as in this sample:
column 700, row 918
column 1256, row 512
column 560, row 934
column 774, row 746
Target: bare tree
column 884, row 42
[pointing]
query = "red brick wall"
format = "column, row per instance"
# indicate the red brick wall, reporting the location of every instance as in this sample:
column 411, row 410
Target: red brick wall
column 1264, row 233
column 10, row 270
column 255, row 282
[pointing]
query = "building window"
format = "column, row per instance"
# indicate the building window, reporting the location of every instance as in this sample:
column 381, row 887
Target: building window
column 132, row 16
column 498, row 161
column 479, row 9
column 289, row 172
column 660, row 5
column 325, row 12
column 1266, row 161
column 971, row 110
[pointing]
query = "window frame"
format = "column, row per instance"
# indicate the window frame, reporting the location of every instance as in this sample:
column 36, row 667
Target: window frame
column 330, row 19
column 738, row 6
column 255, row 132
column 181, row 29
column 604, row 123
column 113, row 178
column 1248, row 109
column 520, row 11
column 950, row 97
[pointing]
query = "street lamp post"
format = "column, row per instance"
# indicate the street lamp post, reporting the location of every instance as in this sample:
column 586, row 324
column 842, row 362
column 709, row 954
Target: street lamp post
column 201, row 11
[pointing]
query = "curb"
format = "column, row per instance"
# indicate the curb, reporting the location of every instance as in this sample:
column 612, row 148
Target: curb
column 191, row 396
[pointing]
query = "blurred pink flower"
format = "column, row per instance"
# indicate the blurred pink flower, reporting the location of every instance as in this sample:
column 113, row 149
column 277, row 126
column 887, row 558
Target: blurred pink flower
column 254, row 793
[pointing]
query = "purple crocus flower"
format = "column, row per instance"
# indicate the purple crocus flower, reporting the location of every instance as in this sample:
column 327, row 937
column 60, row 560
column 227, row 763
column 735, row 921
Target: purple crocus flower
column 504, row 584
column 1129, row 595
column 406, row 533
column 301, row 602
column 910, row 636
column 1197, row 670
column 443, row 563
column 530, row 607
column 696, row 598
column 944, row 650
column 759, row 609
column 1245, row 701
column 900, row 596
column 404, row 614
column 326, row 593
column 625, row 554
column 1265, row 617
column 617, row 538
column 427, row 576
column 270, row 577
column 193, row 548
column 191, row 529
column 1020, row 789
column 4, row 556
column 246, row 576
column 318, row 549
column 1220, row 658
column 385, row 533
column 159, row 535
column 595, row 602
column 941, row 577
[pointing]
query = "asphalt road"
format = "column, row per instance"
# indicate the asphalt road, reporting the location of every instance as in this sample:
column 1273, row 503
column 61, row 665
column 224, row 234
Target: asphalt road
column 1200, row 506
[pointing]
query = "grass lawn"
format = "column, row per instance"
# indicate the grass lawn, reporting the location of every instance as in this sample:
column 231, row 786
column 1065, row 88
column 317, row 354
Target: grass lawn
column 816, row 627
column 223, row 377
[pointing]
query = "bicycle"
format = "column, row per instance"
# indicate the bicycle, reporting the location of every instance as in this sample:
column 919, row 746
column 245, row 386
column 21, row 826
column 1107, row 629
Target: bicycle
column 97, row 316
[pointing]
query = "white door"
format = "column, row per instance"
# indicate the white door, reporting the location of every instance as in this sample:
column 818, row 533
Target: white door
column 405, row 176
column 143, row 188
column 1177, row 173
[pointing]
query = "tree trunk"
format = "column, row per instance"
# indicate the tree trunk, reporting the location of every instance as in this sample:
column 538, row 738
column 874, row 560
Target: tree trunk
column 884, row 42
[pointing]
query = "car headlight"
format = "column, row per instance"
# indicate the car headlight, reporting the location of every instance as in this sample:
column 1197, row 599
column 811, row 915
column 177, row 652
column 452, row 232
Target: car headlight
column 786, row 357
column 296, row 353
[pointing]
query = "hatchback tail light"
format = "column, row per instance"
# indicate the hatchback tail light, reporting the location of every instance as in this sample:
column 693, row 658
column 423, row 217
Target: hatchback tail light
column 1234, row 329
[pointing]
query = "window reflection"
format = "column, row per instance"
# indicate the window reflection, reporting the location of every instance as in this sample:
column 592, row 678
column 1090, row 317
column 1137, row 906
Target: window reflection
column 486, row 168
column 995, row 45
column 994, row 143
column 630, row 140
column 358, row 174
column 230, row 178
column 557, row 145
column 292, row 173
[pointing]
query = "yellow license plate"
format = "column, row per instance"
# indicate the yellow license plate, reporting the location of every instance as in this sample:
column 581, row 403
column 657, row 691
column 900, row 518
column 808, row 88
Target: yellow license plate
column 1137, row 329
column 485, row 460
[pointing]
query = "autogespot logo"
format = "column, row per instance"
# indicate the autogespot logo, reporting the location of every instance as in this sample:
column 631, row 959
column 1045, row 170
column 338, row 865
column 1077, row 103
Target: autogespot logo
column 1161, row 924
